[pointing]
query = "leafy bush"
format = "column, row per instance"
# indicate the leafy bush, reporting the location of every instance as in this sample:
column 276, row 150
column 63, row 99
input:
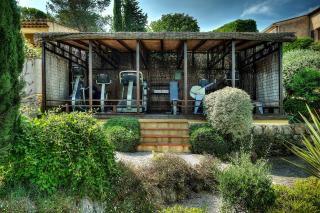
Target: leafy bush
column 30, row 51
column 239, row 25
column 122, row 139
column 129, row 123
column 315, row 46
column 299, row 43
column 304, row 196
column 207, row 140
column 195, row 126
column 229, row 111
column 246, row 186
column 305, row 84
column 64, row 151
column 296, row 61
column 181, row 209
column 124, row 133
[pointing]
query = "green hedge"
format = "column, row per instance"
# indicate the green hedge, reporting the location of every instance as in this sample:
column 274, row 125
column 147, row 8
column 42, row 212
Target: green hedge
column 207, row 140
column 123, row 132
column 239, row 25
column 64, row 151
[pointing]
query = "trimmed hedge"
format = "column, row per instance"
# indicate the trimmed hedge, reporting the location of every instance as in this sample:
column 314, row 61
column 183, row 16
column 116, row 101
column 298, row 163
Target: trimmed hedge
column 207, row 140
column 123, row 132
column 239, row 25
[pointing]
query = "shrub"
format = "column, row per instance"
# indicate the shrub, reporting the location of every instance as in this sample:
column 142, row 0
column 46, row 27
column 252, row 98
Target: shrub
column 299, row 43
column 305, row 84
column 207, row 140
column 64, row 151
column 130, row 194
column 246, row 186
column 195, row 126
column 122, row 139
column 315, row 46
column 181, row 209
column 229, row 111
column 124, row 133
column 239, row 25
column 296, row 60
column 167, row 178
column 304, row 196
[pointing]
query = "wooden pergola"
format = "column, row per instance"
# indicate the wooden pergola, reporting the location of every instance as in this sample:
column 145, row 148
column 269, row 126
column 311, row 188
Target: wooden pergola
column 140, row 43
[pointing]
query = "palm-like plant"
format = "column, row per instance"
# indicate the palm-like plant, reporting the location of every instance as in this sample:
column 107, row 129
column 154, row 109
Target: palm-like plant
column 311, row 152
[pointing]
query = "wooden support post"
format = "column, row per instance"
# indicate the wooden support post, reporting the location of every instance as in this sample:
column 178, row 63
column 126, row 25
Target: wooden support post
column 90, row 75
column 185, row 70
column 281, row 111
column 138, row 74
column 233, row 71
column 44, row 78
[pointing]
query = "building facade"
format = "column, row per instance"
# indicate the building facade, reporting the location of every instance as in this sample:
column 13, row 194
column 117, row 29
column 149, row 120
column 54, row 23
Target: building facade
column 307, row 25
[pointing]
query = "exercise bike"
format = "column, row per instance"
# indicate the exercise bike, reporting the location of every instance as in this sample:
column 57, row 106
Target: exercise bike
column 128, row 80
column 198, row 92
column 104, row 81
column 78, row 98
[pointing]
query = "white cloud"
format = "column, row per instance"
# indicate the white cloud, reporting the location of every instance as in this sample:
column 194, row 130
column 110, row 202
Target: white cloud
column 263, row 8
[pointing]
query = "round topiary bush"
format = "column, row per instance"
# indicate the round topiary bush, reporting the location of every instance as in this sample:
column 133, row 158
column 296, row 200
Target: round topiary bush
column 207, row 140
column 123, row 132
column 297, row 60
column 123, row 139
column 64, row 151
column 229, row 111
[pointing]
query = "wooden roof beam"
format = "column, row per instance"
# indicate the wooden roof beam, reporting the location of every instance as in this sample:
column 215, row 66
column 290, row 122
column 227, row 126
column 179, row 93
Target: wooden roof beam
column 122, row 43
column 202, row 42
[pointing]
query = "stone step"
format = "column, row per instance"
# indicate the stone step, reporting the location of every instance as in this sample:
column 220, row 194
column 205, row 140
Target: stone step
column 164, row 139
column 165, row 131
column 164, row 123
column 166, row 147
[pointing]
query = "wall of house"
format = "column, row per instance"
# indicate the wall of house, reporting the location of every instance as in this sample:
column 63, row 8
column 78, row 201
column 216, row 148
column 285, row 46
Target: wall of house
column 315, row 25
column 299, row 25
column 55, row 27
column 57, row 79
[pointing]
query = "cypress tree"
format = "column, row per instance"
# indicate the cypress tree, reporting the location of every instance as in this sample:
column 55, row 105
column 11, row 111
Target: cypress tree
column 11, row 62
column 134, row 20
column 117, row 16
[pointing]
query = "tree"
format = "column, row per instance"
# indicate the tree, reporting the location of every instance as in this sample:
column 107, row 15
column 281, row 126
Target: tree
column 117, row 16
column 29, row 13
column 11, row 61
column 84, row 15
column 175, row 22
column 134, row 20
column 239, row 25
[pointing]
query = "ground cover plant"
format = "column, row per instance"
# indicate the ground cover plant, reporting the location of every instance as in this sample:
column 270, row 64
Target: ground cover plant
column 303, row 196
column 123, row 132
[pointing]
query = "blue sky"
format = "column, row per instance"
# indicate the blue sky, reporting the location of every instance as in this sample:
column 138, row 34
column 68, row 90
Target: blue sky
column 214, row 13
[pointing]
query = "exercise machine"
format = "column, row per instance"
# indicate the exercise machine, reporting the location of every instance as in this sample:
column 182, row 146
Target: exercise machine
column 198, row 92
column 104, row 81
column 128, row 80
column 78, row 98
column 174, row 96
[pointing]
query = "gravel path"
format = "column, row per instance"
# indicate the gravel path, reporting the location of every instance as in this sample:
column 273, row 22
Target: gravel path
column 282, row 172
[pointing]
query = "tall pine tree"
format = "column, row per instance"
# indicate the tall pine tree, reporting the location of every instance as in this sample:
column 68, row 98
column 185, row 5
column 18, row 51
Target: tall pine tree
column 117, row 16
column 11, row 62
column 134, row 20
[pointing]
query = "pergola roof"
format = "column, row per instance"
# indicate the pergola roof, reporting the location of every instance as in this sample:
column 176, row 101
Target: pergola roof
column 165, row 41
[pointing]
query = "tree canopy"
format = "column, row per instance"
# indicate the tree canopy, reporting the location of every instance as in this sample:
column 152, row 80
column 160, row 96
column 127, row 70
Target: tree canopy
column 128, row 16
column 29, row 13
column 11, row 61
column 175, row 22
column 239, row 25
column 84, row 15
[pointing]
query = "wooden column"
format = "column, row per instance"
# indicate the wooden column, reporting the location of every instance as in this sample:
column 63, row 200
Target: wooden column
column 233, row 71
column 185, row 80
column 44, row 79
column 138, row 74
column 281, row 111
column 90, row 75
